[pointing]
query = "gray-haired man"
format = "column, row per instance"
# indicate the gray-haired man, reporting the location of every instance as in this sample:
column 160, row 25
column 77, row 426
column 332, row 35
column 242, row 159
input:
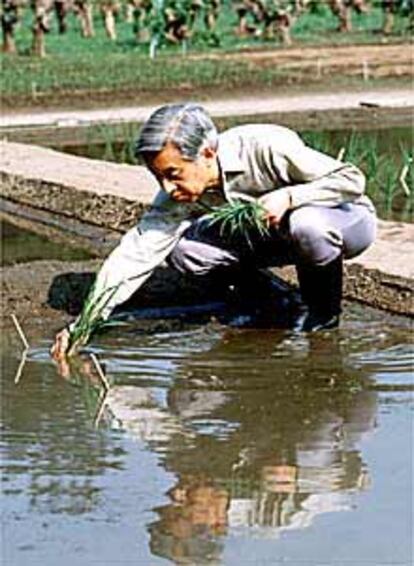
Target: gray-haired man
column 315, row 205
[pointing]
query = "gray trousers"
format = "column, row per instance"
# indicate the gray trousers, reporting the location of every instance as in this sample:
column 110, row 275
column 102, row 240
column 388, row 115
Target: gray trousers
column 312, row 235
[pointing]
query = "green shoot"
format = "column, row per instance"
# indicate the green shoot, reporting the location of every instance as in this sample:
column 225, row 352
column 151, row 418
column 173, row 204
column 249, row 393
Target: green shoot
column 90, row 319
column 240, row 219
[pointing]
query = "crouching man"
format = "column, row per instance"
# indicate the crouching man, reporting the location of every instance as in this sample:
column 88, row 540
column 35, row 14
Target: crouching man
column 314, row 204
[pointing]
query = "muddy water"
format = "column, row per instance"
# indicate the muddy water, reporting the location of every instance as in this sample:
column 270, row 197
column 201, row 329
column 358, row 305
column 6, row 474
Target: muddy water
column 213, row 446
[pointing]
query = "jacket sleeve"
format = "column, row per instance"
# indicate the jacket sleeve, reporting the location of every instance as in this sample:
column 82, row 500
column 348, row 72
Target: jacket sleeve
column 141, row 250
column 313, row 177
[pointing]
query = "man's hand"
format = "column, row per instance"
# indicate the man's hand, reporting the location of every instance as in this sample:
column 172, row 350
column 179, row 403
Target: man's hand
column 276, row 205
column 60, row 346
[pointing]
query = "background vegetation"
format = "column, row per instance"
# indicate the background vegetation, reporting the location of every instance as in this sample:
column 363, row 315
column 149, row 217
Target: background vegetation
column 76, row 66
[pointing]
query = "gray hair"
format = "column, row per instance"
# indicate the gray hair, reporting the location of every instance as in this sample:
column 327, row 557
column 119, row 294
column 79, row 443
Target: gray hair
column 187, row 126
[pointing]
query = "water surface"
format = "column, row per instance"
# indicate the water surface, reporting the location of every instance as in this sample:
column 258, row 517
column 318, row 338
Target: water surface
column 19, row 246
column 213, row 446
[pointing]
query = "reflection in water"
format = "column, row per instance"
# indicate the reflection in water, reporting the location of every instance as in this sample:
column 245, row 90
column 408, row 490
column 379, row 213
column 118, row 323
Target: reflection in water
column 271, row 450
column 258, row 432
column 48, row 450
column 261, row 431
column 20, row 245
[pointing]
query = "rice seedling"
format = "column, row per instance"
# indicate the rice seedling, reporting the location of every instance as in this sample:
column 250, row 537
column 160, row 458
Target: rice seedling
column 240, row 219
column 387, row 166
column 109, row 143
column 389, row 184
column 90, row 320
column 406, row 177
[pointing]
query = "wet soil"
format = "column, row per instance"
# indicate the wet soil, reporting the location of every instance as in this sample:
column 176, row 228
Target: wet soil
column 43, row 292
column 51, row 293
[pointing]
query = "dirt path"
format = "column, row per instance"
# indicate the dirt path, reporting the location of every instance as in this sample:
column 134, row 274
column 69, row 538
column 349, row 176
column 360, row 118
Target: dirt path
column 395, row 98
column 330, row 55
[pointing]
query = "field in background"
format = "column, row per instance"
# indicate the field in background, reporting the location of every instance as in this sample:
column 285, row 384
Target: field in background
column 76, row 68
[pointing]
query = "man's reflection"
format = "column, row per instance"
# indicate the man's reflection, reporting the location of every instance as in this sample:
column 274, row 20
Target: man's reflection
column 191, row 526
column 271, row 449
column 260, row 431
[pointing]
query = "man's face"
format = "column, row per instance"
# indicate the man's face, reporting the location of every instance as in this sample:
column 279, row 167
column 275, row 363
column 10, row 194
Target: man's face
column 183, row 179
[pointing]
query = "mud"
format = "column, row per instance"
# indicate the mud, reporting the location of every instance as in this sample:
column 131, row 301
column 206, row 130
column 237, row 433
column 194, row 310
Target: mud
column 43, row 293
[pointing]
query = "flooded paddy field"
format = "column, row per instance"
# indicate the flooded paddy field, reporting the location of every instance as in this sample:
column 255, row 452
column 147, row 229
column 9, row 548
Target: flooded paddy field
column 213, row 445
column 20, row 245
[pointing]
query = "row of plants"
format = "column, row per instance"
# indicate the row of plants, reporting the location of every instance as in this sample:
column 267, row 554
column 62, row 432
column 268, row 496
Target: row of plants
column 389, row 171
column 155, row 23
column 77, row 67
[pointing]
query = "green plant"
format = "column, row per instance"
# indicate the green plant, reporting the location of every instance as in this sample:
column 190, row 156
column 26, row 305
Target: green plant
column 90, row 320
column 388, row 181
column 241, row 219
column 383, row 161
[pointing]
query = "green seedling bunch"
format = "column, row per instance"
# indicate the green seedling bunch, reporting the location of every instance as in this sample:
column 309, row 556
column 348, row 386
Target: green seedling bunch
column 90, row 320
column 240, row 219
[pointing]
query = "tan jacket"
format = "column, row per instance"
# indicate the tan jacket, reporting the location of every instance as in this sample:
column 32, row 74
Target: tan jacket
column 255, row 160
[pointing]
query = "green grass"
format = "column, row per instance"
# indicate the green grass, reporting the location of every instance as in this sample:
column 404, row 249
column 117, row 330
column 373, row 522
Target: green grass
column 76, row 65
column 382, row 166
column 245, row 220
column 125, row 72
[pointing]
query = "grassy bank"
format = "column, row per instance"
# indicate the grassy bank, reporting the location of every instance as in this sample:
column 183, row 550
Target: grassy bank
column 85, row 72
column 76, row 68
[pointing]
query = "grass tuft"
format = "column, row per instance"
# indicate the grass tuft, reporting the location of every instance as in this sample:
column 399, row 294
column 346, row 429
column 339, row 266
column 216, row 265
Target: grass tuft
column 240, row 219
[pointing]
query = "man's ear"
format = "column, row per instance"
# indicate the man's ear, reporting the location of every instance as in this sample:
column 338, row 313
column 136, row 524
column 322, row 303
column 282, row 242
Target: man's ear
column 208, row 152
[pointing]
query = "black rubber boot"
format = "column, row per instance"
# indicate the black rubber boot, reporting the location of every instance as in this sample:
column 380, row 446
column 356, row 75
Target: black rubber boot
column 321, row 290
